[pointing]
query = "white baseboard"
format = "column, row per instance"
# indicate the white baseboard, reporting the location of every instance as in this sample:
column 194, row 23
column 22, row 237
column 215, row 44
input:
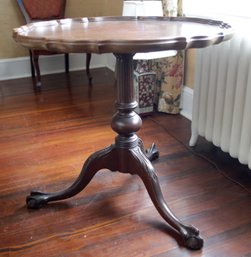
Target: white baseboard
column 187, row 102
column 20, row 67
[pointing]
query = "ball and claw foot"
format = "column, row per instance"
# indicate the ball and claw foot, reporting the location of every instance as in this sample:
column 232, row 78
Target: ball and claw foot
column 191, row 238
column 194, row 242
column 36, row 200
column 152, row 152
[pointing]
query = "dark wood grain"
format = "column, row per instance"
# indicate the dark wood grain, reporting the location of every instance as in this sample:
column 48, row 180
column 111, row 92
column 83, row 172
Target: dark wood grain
column 122, row 34
column 44, row 139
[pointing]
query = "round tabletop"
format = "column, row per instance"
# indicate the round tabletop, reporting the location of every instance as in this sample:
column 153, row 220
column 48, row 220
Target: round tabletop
column 122, row 34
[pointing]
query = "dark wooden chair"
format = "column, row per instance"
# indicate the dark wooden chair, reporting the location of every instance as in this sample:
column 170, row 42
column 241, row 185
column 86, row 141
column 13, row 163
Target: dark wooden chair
column 39, row 10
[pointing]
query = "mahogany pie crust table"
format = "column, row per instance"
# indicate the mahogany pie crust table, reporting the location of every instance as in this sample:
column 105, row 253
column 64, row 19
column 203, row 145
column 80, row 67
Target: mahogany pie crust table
column 123, row 36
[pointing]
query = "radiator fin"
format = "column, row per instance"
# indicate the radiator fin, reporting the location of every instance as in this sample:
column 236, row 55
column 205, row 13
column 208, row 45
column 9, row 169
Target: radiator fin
column 222, row 97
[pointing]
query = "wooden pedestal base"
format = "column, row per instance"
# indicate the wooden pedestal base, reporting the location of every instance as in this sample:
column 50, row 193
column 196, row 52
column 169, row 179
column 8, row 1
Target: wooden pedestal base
column 126, row 155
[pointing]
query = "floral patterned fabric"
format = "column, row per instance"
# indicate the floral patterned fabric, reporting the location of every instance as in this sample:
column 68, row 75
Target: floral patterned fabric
column 169, row 71
column 172, row 7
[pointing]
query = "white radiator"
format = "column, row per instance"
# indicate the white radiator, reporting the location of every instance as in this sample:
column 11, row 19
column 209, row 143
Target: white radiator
column 222, row 97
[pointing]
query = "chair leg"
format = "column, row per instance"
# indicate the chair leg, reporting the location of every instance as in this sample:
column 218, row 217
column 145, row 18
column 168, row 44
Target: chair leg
column 32, row 66
column 37, row 69
column 66, row 61
column 88, row 61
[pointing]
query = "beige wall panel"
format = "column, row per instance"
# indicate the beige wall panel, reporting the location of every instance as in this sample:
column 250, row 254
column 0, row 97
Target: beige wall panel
column 10, row 17
column 92, row 8
column 189, row 68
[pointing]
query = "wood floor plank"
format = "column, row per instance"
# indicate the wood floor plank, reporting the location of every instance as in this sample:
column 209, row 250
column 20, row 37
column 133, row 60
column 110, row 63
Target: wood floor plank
column 46, row 136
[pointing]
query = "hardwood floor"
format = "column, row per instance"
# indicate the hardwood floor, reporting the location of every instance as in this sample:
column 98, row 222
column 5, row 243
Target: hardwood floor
column 46, row 136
